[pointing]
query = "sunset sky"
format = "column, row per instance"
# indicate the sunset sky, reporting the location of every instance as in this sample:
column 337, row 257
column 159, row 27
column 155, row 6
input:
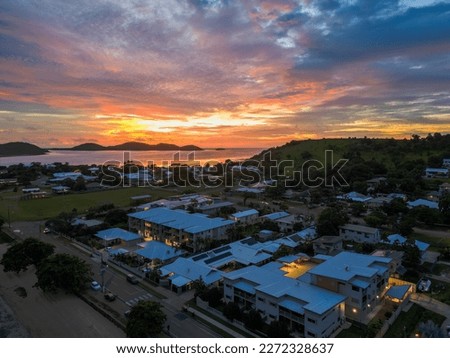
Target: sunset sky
column 222, row 73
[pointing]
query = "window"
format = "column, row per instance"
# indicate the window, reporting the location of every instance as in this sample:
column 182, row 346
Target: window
column 355, row 300
column 228, row 297
column 261, row 299
column 272, row 316
column 355, row 288
column 273, row 304
column 311, row 320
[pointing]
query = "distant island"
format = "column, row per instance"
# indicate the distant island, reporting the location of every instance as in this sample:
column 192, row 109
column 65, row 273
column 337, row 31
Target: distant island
column 14, row 149
column 136, row 146
column 22, row 148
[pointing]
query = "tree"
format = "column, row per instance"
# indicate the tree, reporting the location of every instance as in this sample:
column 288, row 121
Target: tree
column 357, row 209
column 411, row 258
column 376, row 219
column 116, row 216
column 63, row 271
column 253, row 320
column 278, row 329
column 329, row 221
column 213, row 296
column 23, row 254
column 231, row 311
column 2, row 221
column 146, row 319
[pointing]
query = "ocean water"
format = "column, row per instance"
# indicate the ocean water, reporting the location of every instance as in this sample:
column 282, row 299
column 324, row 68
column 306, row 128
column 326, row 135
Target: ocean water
column 153, row 156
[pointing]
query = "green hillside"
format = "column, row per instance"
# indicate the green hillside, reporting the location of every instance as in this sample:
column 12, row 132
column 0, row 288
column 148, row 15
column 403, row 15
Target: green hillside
column 389, row 152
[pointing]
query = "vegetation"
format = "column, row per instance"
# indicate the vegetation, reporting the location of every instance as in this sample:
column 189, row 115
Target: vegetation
column 405, row 324
column 278, row 329
column 65, row 272
column 329, row 221
column 21, row 255
column 146, row 319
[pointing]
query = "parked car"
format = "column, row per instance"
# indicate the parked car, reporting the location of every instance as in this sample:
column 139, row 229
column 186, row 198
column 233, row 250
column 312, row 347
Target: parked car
column 95, row 286
column 110, row 296
column 46, row 231
column 132, row 279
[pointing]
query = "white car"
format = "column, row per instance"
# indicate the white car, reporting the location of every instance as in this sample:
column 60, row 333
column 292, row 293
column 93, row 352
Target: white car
column 95, row 286
column 46, row 230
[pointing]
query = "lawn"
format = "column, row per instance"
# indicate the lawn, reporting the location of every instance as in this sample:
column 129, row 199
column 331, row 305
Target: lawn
column 5, row 239
column 352, row 332
column 40, row 209
column 406, row 323
column 436, row 243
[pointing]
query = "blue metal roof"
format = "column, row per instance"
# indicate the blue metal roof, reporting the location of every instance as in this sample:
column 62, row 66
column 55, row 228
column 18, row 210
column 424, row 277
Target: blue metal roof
column 181, row 220
column 292, row 305
column 423, row 246
column 242, row 214
column 116, row 233
column 277, row 215
column 245, row 286
column 398, row 292
column 360, row 283
column 158, row 250
column 392, row 239
column 347, row 265
column 179, row 281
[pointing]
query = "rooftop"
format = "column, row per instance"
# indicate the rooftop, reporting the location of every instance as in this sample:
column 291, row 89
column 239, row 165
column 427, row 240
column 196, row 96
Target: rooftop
column 158, row 250
column 243, row 214
column 116, row 233
column 360, row 228
column 190, row 271
column 276, row 216
column 347, row 265
column 181, row 220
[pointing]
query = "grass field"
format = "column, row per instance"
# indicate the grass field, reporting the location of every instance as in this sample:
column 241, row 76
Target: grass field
column 436, row 243
column 39, row 209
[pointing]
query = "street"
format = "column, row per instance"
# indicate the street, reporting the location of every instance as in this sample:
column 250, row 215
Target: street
column 181, row 324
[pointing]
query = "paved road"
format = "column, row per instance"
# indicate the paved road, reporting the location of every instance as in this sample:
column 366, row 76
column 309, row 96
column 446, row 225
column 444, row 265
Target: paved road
column 181, row 325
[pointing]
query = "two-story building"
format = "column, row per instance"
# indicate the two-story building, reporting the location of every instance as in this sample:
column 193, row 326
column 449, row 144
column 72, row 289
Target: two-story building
column 308, row 310
column 362, row 279
column 360, row 233
column 178, row 227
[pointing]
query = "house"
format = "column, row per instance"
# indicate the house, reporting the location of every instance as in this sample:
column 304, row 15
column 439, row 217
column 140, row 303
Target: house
column 266, row 234
column 423, row 202
column 183, row 272
column 158, row 252
column 355, row 197
column 362, row 279
column 246, row 217
column 30, row 190
column 214, row 208
column 396, row 239
column 328, row 245
column 287, row 223
column 379, row 202
column 436, row 172
column 88, row 223
column 60, row 189
column 360, row 233
column 276, row 216
column 446, row 162
column 116, row 236
column 395, row 266
column 178, row 227
column 422, row 246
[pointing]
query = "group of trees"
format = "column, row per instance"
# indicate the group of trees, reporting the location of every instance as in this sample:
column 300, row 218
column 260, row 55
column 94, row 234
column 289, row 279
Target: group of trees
column 53, row 271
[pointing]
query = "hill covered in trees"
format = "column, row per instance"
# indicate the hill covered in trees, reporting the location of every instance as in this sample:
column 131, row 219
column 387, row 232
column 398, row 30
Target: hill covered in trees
column 13, row 149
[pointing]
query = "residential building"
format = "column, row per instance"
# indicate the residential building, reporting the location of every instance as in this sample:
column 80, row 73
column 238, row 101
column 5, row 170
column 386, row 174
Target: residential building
column 446, row 162
column 181, row 273
column 328, row 245
column 246, row 217
column 116, row 236
column 355, row 197
column 423, row 202
column 307, row 310
column 436, row 172
column 178, row 227
column 360, row 233
column 363, row 279
column 214, row 208
column 158, row 252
